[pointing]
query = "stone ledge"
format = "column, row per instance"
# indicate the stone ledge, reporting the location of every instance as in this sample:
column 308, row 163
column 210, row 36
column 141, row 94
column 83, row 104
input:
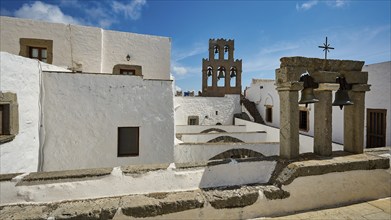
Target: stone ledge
column 340, row 162
column 40, row 177
column 153, row 205
column 8, row 176
column 232, row 198
column 141, row 169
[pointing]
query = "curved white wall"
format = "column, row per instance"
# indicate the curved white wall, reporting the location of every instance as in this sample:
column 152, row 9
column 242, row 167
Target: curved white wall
column 21, row 76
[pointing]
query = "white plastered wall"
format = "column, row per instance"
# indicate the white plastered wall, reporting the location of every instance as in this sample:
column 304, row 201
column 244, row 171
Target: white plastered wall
column 379, row 77
column 21, row 76
column 205, row 108
column 83, row 111
column 151, row 52
column 95, row 49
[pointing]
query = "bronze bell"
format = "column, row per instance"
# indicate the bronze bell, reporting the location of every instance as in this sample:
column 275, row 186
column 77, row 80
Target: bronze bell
column 221, row 75
column 342, row 98
column 307, row 96
column 226, row 49
column 342, row 95
column 216, row 49
column 233, row 72
column 209, row 72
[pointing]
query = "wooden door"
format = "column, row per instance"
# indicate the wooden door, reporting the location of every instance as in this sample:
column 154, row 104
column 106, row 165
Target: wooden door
column 376, row 127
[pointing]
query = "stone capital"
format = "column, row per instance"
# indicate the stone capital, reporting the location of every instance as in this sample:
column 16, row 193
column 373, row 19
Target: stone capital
column 361, row 87
column 294, row 86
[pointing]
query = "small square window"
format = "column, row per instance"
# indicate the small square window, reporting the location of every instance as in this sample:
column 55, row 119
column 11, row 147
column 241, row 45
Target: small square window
column 127, row 72
column 38, row 53
column 269, row 114
column 303, row 120
column 128, row 141
column 193, row 120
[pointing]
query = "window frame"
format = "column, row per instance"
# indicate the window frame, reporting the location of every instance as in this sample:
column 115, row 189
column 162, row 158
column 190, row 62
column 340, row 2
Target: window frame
column 137, row 144
column 10, row 126
column 27, row 43
column 39, row 53
column 123, row 71
column 193, row 117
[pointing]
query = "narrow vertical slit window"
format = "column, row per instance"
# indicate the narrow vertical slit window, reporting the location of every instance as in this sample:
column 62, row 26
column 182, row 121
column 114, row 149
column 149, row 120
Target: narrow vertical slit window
column 303, row 120
column 269, row 114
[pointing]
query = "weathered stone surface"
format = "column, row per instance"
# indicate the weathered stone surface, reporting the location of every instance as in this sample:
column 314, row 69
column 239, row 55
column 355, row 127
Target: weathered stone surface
column 30, row 212
column 354, row 123
column 8, row 176
column 139, row 169
column 323, row 123
column 104, row 208
column 289, row 124
column 153, row 205
column 328, row 165
column 67, row 174
column 273, row 192
column 232, row 198
column 225, row 139
column 295, row 66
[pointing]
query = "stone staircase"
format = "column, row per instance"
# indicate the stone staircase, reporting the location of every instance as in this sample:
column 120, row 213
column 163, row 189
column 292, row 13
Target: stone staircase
column 252, row 109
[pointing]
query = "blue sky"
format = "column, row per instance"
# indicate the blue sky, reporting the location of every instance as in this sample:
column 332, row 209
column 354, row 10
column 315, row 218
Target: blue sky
column 264, row 31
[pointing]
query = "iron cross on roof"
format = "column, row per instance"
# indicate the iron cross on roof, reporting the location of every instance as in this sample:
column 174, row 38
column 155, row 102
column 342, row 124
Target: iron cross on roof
column 326, row 48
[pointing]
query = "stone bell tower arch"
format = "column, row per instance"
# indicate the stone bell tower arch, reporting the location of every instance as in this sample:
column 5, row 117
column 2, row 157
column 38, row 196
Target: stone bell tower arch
column 221, row 73
column 325, row 73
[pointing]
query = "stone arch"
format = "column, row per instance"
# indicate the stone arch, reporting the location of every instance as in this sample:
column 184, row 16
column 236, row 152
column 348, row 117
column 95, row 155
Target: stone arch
column 269, row 100
column 213, row 129
column 237, row 153
column 225, row 139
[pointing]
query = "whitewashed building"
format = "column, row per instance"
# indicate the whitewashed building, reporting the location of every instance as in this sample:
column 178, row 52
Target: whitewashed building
column 96, row 107
column 377, row 104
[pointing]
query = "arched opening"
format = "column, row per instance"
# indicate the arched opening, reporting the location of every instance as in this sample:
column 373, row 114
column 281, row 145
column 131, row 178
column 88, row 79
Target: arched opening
column 237, row 153
column 209, row 73
column 226, row 52
column 216, row 50
column 221, row 76
column 225, row 139
column 233, row 73
column 210, row 130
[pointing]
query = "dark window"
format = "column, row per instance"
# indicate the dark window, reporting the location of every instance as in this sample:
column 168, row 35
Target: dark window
column 127, row 72
column 376, row 127
column 193, row 120
column 128, row 141
column 38, row 53
column 269, row 114
column 303, row 120
column 5, row 119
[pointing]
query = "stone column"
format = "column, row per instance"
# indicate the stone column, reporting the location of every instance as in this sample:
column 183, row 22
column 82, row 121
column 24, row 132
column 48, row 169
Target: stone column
column 323, row 123
column 289, row 120
column 354, row 120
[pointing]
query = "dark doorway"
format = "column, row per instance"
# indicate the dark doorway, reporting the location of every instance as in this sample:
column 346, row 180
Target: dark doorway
column 376, row 127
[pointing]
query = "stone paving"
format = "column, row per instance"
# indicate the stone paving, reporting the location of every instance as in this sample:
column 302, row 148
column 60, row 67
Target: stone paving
column 377, row 209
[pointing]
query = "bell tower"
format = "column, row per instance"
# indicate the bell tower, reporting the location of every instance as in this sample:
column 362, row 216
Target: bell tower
column 221, row 73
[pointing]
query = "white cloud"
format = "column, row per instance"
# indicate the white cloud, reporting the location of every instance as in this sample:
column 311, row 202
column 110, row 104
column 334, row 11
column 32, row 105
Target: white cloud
column 45, row 12
column 337, row 3
column 100, row 16
column 177, row 56
column 179, row 70
column 132, row 9
column 307, row 5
